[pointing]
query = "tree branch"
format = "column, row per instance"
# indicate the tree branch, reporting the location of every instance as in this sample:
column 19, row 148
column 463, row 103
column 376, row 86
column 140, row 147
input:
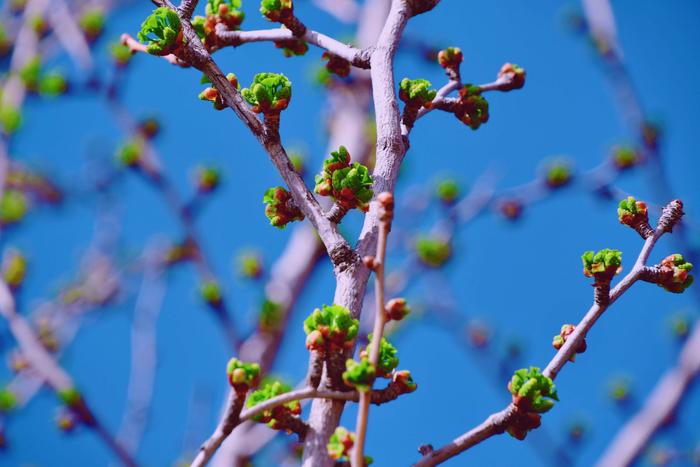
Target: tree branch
column 498, row 422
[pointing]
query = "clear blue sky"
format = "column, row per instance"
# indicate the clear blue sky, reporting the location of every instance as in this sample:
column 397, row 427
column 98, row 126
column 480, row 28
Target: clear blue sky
column 564, row 109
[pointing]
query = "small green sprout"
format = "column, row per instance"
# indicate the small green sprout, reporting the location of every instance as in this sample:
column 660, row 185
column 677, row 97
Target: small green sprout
column 404, row 380
column 560, row 339
column 162, row 32
column 8, row 400
column 387, row 361
column 250, row 265
column 10, row 118
column 677, row 273
column 210, row 291
column 332, row 324
column 416, row 92
column 472, row 108
column 130, row 153
column 280, row 208
column 350, row 185
column 359, row 375
column 53, row 84
column 433, row 251
column 602, row 265
column 451, row 57
column 267, row 391
column 92, row 22
column 227, row 11
column 340, row 444
column 14, row 268
column 30, row 73
column 533, row 391
column 13, row 207
column 269, row 93
column 448, row 190
column 121, row 53
column 276, row 10
column 242, row 376
column 397, row 309
column 212, row 95
column 207, row 179
column 70, row 397
column 634, row 214
column 625, row 157
column 557, row 174
column 511, row 77
column 270, row 316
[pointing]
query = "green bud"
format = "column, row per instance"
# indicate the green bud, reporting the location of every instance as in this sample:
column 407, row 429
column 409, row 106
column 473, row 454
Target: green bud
column 10, row 119
column 270, row 316
column 13, row 207
column 92, row 22
column 250, row 265
column 14, row 268
column 450, row 57
column 161, row 31
column 557, row 174
column 30, row 72
column 242, row 376
column 267, row 391
column 416, row 92
column 334, row 322
column 448, row 190
column 8, row 400
column 387, row 361
column 121, row 54
column 625, row 157
column 359, row 375
column 53, row 84
column 280, row 208
column 340, row 444
column 211, row 293
column 70, row 397
column 274, row 10
column 433, row 251
column 605, row 261
column 532, row 390
column 268, row 93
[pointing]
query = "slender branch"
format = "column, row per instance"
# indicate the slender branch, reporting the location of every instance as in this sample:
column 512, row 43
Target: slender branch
column 386, row 213
column 658, row 408
column 357, row 57
column 228, row 422
column 498, row 422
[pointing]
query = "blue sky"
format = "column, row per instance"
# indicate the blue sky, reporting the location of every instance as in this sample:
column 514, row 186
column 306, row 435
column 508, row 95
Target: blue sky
column 565, row 109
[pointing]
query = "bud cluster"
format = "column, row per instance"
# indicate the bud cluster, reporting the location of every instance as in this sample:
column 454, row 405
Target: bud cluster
column 224, row 12
column 433, row 251
column 161, row 32
column 560, row 339
column 634, row 214
column 349, row 185
column 280, row 208
column 212, row 95
column 472, row 108
column 533, row 394
column 242, row 376
column 280, row 417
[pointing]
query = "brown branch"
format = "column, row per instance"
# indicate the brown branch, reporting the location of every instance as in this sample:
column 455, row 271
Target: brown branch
column 386, row 214
column 658, row 408
column 498, row 422
column 357, row 57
